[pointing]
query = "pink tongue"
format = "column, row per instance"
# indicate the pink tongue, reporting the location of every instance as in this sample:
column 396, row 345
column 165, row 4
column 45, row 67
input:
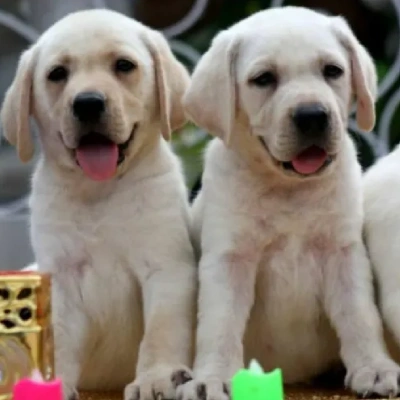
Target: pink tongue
column 310, row 160
column 98, row 160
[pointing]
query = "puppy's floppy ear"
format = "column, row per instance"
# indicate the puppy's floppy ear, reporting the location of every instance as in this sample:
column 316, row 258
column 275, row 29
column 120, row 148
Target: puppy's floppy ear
column 364, row 77
column 210, row 101
column 172, row 80
column 17, row 107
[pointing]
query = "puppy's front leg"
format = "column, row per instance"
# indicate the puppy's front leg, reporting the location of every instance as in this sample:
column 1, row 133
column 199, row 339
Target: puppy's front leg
column 169, row 292
column 350, row 306
column 67, row 363
column 70, row 340
column 227, row 272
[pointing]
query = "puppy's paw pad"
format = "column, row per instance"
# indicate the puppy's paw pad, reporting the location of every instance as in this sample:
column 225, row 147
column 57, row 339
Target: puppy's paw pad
column 375, row 380
column 180, row 377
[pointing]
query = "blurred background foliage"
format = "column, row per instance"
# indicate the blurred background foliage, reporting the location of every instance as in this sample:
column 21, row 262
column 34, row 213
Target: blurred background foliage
column 375, row 23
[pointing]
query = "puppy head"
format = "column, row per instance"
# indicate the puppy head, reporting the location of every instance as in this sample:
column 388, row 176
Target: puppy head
column 97, row 92
column 288, row 75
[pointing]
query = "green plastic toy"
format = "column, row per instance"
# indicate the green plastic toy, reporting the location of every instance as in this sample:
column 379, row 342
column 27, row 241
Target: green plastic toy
column 255, row 384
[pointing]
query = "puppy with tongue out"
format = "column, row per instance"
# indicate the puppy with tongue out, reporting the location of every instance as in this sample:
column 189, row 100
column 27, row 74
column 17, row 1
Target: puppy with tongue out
column 284, row 275
column 109, row 211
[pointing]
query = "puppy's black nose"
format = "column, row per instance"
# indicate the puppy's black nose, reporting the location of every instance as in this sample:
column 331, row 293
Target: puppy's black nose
column 89, row 106
column 311, row 118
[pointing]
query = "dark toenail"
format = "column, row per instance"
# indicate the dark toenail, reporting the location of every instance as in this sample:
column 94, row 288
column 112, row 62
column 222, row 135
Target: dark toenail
column 225, row 389
column 365, row 395
column 74, row 396
column 377, row 379
column 180, row 377
column 201, row 391
column 186, row 377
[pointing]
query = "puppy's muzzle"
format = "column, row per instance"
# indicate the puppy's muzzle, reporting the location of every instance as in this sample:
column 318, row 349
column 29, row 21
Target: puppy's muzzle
column 311, row 120
column 89, row 106
column 312, row 125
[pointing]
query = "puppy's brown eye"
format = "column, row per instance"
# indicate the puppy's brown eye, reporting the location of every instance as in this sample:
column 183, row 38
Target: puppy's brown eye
column 265, row 79
column 332, row 71
column 123, row 65
column 58, row 74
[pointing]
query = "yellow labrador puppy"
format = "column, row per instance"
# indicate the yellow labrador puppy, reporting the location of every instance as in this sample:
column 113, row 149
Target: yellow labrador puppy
column 382, row 230
column 284, row 274
column 109, row 210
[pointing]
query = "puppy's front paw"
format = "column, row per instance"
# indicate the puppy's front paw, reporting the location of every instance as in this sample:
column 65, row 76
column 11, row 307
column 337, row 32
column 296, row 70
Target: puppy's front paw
column 212, row 389
column 157, row 384
column 376, row 379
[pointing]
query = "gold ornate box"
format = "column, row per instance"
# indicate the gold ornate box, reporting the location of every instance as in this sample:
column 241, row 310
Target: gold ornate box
column 26, row 339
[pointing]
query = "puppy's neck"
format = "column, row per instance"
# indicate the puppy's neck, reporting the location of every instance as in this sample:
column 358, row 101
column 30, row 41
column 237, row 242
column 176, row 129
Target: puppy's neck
column 71, row 183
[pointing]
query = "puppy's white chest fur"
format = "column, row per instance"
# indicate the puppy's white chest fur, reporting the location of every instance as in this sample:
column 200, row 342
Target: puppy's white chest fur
column 306, row 238
column 288, row 301
column 90, row 251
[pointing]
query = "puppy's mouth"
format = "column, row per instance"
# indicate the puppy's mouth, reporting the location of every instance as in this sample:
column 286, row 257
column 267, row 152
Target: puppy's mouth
column 99, row 157
column 308, row 162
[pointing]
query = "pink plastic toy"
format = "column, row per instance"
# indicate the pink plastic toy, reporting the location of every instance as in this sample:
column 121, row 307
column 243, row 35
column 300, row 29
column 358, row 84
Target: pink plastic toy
column 35, row 388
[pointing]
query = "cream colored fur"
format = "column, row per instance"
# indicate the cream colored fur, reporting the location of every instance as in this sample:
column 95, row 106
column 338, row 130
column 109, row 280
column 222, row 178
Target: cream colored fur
column 381, row 231
column 284, row 275
column 119, row 251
